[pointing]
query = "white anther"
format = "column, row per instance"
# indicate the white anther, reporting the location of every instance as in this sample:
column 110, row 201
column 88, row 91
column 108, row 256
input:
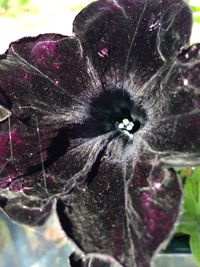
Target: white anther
column 125, row 122
column 130, row 126
column 120, row 125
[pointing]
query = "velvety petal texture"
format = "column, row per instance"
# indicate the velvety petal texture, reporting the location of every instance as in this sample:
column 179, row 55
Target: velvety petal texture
column 41, row 120
column 95, row 121
column 180, row 89
column 128, row 208
column 134, row 36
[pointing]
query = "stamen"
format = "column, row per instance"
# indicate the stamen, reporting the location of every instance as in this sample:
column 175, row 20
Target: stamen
column 125, row 122
column 120, row 125
column 130, row 126
column 126, row 125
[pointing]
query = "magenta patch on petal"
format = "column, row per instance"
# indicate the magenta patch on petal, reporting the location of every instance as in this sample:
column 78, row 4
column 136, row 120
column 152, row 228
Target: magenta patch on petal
column 5, row 141
column 103, row 52
column 42, row 51
column 7, row 181
column 24, row 76
column 57, row 65
column 154, row 216
column 16, row 139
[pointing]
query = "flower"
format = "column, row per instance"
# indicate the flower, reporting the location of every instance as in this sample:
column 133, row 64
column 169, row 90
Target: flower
column 97, row 121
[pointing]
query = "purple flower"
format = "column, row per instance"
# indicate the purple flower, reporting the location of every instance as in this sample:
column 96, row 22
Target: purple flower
column 97, row 121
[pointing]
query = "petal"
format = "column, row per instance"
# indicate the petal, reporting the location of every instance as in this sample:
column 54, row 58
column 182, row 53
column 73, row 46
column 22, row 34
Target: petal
column 56, row 56
column 48, row 70
column 125, row 213
column 26, row 210
column 122, row 36
column 102, row 201
column 36, row 164
column 177, row 140
column 42, row 124
column 155, row 202
column 92, row 260
column 180, row 85
column 175, row 133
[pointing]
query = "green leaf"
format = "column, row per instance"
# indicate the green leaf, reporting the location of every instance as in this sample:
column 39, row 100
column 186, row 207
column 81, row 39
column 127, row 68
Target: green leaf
column 22, row 2
column 195, row 8
column 187, row 226
column 195, row 247
column 4, row 3
column 196, row 18
column 190, row 202
column 190, row 218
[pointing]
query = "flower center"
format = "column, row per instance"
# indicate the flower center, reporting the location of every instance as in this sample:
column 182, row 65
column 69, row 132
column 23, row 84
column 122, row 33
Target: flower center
column 129, row 126
column 114, row 110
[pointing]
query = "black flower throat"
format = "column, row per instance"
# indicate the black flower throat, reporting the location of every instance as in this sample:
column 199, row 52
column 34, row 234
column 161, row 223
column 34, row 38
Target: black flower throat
column 116, row 111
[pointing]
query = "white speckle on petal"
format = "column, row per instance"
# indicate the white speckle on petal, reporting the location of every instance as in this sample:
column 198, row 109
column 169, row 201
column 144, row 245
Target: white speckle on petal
column 185, row 82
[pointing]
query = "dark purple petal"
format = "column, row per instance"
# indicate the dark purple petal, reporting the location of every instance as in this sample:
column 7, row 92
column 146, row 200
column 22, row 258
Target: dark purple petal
column 48, row 70
column 180, row 86
column 30, row 211
column 127, row 210
column 182, row 134
column 92, row 260
column 62, row 100
column 132, row 35
column 56, row 56
column 36, row 163
column 155, row 198
column 43, row 125
column 176, row 132
column 94, row 225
